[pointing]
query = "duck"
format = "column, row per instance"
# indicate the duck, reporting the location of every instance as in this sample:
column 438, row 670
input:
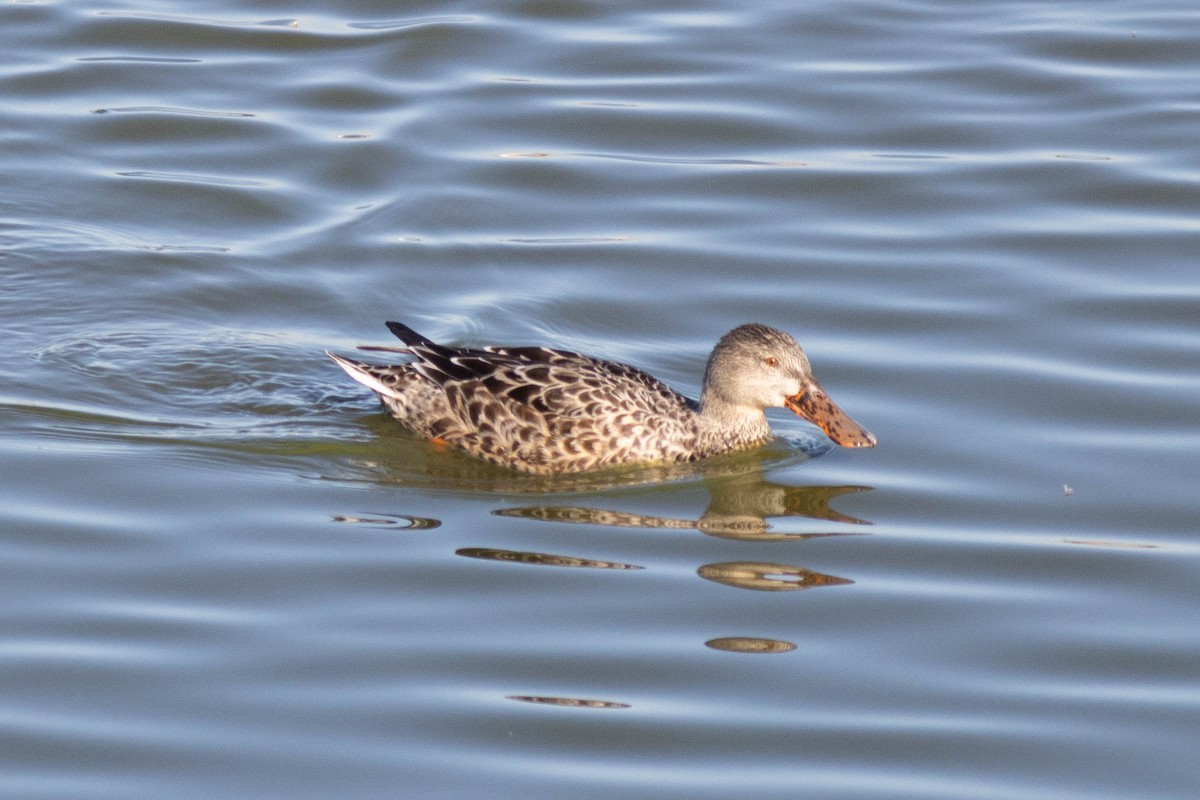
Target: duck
column 545, row 411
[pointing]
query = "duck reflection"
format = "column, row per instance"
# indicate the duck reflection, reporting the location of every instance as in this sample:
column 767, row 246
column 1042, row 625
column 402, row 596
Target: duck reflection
column 765, row 577
column 566, row 702
column 540, row 559
column 739, row 508
column 402, row 521
column 750, row 644
column 741, row 501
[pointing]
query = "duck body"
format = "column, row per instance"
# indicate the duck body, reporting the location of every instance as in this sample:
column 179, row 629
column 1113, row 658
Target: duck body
column 547, row 411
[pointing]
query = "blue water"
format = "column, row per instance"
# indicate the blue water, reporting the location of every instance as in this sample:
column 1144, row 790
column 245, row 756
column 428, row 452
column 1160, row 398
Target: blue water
column 225, row 573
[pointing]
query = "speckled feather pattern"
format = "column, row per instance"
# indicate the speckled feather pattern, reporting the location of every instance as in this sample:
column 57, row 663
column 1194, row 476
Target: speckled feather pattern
column 546, row 411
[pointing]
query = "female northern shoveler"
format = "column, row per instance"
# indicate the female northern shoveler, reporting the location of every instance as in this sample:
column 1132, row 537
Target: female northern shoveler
column 546, row 411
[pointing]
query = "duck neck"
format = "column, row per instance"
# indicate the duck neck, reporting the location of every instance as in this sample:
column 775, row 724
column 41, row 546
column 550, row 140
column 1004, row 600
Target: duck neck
column 724, row 426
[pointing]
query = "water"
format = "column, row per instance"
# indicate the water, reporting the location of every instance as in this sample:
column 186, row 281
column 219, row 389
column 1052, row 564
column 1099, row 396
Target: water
column 226, row 574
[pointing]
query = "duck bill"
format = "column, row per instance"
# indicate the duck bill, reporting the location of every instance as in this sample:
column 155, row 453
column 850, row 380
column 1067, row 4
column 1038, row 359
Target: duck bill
column 814, row 405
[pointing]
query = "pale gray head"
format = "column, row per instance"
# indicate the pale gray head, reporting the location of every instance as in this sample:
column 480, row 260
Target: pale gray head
column 754, row 367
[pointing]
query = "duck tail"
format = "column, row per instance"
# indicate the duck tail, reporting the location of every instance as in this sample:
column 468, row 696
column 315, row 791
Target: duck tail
column 408, row 335
column 368, row 375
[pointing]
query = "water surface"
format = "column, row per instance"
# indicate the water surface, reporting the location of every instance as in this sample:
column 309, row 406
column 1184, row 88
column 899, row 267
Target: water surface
column 227, row 574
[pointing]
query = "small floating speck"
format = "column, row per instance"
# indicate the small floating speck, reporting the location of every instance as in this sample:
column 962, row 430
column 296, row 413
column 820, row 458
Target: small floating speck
column 524, row 155
column 1067, row 490
column 354, row 136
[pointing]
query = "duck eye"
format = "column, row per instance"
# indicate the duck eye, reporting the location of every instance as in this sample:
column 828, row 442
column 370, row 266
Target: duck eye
column 771, row 361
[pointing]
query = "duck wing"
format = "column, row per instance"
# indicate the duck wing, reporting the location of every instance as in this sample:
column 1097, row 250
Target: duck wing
column 527, row 406
column 553, row 381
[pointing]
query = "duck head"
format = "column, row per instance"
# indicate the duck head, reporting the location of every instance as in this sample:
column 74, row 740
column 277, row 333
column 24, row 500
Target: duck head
column 754, row 367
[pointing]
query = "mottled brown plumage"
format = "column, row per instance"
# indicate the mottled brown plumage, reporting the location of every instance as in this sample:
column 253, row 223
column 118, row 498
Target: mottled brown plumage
column 546, row 411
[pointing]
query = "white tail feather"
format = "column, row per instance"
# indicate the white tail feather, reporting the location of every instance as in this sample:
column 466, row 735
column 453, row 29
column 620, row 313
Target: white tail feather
column 363, row 375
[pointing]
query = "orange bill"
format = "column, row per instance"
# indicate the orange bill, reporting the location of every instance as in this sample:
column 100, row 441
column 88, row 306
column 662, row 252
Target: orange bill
column 815, row 406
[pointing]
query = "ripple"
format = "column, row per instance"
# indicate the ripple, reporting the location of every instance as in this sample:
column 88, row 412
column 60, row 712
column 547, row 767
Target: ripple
column 205, row 21
column 166, row 382
column 187, row 112
column 178, row 177
column 418, row 22
column 571, row 240
column 143, row 59
column 707, row 162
